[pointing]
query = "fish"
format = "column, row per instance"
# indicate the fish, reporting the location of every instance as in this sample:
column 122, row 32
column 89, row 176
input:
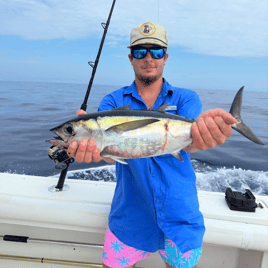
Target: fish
column 123, row 133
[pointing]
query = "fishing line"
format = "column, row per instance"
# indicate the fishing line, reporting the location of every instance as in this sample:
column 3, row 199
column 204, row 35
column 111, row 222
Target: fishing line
column 158, row 11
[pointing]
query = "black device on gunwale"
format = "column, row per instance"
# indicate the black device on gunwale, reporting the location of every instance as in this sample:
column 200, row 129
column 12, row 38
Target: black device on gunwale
column 240, row 202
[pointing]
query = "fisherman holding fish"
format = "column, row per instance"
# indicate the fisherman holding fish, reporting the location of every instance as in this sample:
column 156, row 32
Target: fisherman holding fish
column 155, row 205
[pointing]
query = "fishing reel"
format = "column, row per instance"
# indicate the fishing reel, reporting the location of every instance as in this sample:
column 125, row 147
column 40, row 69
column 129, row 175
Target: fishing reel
column 60, row 156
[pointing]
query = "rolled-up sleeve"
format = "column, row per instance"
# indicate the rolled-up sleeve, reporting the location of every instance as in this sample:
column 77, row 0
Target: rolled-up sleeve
column 191, row 106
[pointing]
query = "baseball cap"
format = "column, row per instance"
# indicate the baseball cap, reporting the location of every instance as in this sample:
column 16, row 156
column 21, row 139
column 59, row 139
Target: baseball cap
column 148, row 33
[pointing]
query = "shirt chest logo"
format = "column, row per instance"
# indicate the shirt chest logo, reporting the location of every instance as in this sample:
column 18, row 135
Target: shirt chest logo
column 171, row 108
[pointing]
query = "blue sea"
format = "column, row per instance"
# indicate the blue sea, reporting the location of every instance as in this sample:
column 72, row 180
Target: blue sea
column 29, row 109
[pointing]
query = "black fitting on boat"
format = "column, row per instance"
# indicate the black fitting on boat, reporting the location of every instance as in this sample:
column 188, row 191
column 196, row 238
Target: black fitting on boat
column 63, row 174
column 14, row 238
column 240, row 202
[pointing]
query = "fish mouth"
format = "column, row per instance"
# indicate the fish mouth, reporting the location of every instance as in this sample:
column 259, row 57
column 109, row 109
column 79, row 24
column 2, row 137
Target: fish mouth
column 57, row 141
column 63, row 132
column 58, row 138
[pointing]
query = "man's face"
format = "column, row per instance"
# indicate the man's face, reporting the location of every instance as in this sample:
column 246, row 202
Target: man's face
column 148, row 70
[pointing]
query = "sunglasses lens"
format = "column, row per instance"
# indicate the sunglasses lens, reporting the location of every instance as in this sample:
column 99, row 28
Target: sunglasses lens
column 139, row 53
column 157, row 53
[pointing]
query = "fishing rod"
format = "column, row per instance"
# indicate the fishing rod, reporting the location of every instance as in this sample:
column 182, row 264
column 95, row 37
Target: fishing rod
column 94, row 65
column 60, row 156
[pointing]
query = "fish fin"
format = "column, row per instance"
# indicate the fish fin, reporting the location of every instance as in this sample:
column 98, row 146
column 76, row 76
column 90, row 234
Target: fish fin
column 178, row 156
column 240, row 126
column 122, row 107
column 162, row 108
column 120, row 160
column 131, row 125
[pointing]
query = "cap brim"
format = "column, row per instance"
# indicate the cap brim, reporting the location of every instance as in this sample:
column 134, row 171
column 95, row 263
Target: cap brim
column 148, row 41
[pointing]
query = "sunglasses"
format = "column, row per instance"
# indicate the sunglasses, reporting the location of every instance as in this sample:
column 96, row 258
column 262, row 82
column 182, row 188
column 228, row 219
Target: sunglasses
column 155, row 52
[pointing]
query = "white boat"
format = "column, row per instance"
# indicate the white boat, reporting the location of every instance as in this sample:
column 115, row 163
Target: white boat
column 67, row 228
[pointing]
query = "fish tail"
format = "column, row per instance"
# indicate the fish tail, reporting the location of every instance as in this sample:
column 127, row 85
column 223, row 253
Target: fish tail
column 240, row 126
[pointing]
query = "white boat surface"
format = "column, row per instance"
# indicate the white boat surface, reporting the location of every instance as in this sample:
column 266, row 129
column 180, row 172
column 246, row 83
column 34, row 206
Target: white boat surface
column 67, row 228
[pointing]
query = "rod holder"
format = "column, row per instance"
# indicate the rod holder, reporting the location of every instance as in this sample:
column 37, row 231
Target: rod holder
column 60, row 186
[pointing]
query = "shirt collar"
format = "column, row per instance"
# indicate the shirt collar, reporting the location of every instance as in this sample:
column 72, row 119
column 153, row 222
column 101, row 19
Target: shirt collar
column 167, row 88
column 131, row 89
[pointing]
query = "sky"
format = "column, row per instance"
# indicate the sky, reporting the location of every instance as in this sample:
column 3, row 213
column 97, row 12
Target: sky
column 213, row 44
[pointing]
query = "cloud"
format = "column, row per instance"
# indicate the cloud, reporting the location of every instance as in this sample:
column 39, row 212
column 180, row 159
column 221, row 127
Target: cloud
column 234, row 28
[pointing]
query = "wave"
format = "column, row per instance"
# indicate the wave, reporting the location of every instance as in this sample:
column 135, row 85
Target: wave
column 103, row 173
column 236, row 178
column 209, row 178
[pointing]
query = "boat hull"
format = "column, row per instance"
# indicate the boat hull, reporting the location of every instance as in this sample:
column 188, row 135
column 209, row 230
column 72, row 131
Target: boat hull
column 67, row 229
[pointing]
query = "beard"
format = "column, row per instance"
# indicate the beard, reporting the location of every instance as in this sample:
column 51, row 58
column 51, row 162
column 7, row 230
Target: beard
column 147, row 80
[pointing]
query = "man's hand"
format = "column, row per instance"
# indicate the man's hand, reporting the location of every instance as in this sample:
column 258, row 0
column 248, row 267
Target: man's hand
column 86, row 150
column 80, row 112
column 211, row 128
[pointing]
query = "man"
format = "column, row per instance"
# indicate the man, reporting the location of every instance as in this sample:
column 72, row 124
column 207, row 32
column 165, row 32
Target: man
column 155, row 205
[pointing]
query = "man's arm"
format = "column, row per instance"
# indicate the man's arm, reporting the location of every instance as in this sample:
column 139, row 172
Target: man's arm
column 211, row 128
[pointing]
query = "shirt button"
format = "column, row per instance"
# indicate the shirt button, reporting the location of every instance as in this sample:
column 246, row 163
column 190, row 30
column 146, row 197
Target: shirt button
column 153, row 175
column 157, row 200
column 161, row 223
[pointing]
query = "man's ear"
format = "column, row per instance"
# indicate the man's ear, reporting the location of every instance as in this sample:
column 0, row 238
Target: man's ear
column 130, row 58
column 166, row 58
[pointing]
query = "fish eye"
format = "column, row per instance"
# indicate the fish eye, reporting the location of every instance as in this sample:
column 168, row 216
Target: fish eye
column 69, row 129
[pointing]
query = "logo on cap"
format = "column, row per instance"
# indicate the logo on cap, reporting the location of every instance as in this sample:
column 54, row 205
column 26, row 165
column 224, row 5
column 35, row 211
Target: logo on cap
column 147, row 29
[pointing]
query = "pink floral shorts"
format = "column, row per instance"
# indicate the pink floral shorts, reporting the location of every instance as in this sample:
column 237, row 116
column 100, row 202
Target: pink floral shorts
column 118, row 255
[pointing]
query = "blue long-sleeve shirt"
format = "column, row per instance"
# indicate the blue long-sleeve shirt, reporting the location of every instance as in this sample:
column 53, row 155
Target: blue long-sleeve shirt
column 157, row 195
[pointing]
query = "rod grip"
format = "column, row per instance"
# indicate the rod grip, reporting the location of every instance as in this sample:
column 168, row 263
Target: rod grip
column 84, row 107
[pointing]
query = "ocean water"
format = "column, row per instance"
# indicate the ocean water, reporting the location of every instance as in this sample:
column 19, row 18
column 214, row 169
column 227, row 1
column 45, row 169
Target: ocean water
column 28, row 110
